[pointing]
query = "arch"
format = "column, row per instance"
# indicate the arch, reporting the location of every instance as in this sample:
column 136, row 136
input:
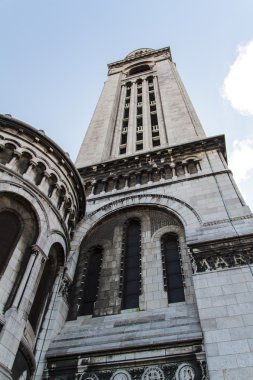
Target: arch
column 187, row 213
column 139, row 69
column 6, row 153
column 23, row 162
column 10, row 231
column 27, row 232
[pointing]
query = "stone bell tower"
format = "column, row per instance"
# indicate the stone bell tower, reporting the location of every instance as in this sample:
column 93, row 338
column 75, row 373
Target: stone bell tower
column 161, row 264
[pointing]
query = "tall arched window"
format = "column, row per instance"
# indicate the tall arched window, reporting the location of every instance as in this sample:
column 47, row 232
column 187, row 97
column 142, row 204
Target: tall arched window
column 10, row 231
column 44, row 290
column 173, row 279
column 131, row 265
column 91, row 281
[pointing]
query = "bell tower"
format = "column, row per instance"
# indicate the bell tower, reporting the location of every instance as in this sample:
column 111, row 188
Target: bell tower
column 160, row 266
column 143, row 107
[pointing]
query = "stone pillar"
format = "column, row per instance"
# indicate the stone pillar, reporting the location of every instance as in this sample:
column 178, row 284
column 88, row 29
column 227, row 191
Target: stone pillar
column 12, row 163
column 145, row 116
column 162, row 132
column 131, row 136
column 29, row 175
column 119, row 122
column 126, row 181
column 44, row 184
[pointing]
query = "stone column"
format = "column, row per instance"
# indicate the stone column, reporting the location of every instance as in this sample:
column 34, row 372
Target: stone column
column 147, row 135
column 126, row 181
column 29, row 175
column 119, row 122
column 131, row 136
column 12, row 163
column 44, row 184
column 162, row 132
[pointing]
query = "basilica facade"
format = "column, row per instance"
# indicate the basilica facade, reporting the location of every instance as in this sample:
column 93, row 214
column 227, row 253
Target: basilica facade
column 136, row 262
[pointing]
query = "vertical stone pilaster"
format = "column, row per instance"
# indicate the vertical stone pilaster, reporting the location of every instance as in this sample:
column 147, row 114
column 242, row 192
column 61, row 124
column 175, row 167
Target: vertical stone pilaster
column 146, row 116
column 131, row 136
column 119, row 121
column 162, row 132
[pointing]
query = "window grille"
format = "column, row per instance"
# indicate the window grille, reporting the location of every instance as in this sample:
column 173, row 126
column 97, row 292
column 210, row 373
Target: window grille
column 172, row 273
column 131, row 264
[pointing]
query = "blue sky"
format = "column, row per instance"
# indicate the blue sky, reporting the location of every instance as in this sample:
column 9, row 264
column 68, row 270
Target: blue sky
column 54, row 56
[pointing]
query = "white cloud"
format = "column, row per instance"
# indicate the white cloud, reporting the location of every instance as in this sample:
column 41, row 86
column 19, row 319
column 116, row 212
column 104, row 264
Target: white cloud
column 238, row 84
column 241, row 159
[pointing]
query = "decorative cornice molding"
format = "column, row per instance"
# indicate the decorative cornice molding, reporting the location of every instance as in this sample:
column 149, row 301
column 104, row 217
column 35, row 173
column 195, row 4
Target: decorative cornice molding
column 177, row 152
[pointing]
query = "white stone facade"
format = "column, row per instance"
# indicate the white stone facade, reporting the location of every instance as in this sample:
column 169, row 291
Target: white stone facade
column 163, row 175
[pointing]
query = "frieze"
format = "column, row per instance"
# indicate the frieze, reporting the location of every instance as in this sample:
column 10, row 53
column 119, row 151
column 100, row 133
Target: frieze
column 168, row 371
column 186, row 372
column 177, row 153
column 221, row 255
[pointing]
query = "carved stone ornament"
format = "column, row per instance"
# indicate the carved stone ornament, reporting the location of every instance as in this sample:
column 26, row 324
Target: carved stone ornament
column 89, row 376
column 121, row 374
column 224, row 254
column 153, row 373
column 64, row 287
column 185, row 372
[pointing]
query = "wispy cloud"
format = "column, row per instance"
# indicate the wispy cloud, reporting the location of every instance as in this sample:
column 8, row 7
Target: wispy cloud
column 238, row 84
column 241, row 159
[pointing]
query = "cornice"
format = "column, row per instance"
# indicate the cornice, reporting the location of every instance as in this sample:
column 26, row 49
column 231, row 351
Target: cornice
column 176, row 151
column 153, row 53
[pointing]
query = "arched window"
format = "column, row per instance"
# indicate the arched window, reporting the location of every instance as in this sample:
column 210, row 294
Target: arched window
column 44, row 290
column 10, row 231
column 173, row 280
column 139, row 69
column 91, row 281
column 131, row 265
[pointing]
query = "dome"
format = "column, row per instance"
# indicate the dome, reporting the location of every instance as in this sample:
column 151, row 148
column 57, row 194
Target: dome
column 138, row 52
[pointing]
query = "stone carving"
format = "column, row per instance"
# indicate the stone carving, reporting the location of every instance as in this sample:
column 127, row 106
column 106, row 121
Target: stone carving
column 153, row 373
column 89, row 376
column 222, row 254
column 64, row 287
column 185, row 372
column 160, row 219
column 121, row 375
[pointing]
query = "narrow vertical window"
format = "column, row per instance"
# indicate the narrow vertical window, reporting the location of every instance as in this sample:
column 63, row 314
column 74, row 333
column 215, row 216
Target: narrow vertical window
column 131, row 261
column 173, row 279
column 153, row 114
column 124, row 127
column 9, row 234
column 139, row 117
column 91, row 282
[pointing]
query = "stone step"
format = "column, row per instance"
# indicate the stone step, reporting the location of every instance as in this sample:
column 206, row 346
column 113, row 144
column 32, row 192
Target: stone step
column 152, row 334
column 87, row 347
column 109, row 331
